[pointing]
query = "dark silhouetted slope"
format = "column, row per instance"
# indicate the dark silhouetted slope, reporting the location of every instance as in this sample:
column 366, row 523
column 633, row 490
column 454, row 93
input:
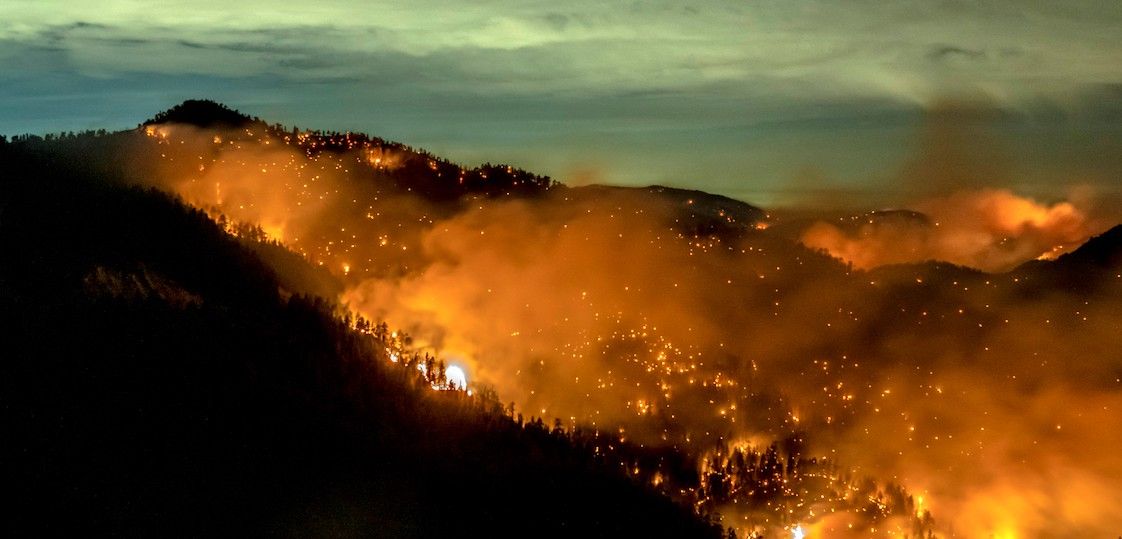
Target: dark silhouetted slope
column 1084, row 270
column 154, row 382
column 1100, row 252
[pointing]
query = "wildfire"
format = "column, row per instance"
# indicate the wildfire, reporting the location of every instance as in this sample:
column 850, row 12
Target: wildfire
column 614, row 316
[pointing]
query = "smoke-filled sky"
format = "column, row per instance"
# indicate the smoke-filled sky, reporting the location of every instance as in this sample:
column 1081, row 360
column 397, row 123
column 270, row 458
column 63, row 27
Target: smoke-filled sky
column 771, row 102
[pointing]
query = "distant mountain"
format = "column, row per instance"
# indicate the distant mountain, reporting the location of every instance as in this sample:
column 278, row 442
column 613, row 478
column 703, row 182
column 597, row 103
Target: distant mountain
column 852, row 223
column 696, row 212
column 724, row 210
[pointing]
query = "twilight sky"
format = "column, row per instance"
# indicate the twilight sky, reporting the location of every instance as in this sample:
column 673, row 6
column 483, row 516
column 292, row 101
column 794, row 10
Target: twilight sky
column 771, row 102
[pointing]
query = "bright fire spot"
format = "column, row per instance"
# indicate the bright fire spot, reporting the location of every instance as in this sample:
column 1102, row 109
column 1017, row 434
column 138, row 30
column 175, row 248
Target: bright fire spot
column 798, row 533
column 455, row 377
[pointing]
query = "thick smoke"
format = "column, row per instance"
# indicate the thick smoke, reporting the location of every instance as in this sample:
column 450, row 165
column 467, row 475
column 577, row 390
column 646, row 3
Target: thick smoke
column 988, row 229
column 613, row 308
column 960, row 204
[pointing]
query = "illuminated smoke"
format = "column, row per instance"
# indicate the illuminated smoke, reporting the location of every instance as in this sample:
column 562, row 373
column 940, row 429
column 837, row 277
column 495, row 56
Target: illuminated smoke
column 960, row 205
column 987, row 229
column 605, row 307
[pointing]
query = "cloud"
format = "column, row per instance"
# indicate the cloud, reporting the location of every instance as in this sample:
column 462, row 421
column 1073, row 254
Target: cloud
column 637, row 45
column 788, row 87
column 949, row 52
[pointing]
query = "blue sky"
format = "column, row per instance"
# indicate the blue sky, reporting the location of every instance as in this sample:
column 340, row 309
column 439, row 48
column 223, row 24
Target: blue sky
column 766, row 101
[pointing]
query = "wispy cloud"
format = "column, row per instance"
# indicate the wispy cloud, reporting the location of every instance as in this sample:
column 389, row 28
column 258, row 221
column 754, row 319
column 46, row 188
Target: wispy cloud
column 427, row 68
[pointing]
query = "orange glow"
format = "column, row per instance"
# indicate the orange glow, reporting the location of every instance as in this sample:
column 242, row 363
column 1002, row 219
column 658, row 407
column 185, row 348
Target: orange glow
column 989, row 229
column 617, row 314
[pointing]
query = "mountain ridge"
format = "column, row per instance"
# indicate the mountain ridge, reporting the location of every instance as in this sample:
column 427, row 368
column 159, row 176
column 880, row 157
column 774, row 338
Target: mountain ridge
column 206, row 113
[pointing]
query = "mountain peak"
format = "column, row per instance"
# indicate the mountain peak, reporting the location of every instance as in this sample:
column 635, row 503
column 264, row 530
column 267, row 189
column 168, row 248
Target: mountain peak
column 201, row 113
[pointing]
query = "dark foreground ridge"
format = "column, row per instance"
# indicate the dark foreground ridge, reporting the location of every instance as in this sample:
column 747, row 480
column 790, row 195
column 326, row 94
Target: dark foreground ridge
column 159, row 380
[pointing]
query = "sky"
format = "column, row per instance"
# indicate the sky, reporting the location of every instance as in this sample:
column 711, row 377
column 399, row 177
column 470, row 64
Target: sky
column 770, row 102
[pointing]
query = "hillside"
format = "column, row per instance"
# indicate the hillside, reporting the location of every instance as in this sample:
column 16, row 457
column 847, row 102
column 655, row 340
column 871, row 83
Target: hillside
column 160, row 379
column 651, row 350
